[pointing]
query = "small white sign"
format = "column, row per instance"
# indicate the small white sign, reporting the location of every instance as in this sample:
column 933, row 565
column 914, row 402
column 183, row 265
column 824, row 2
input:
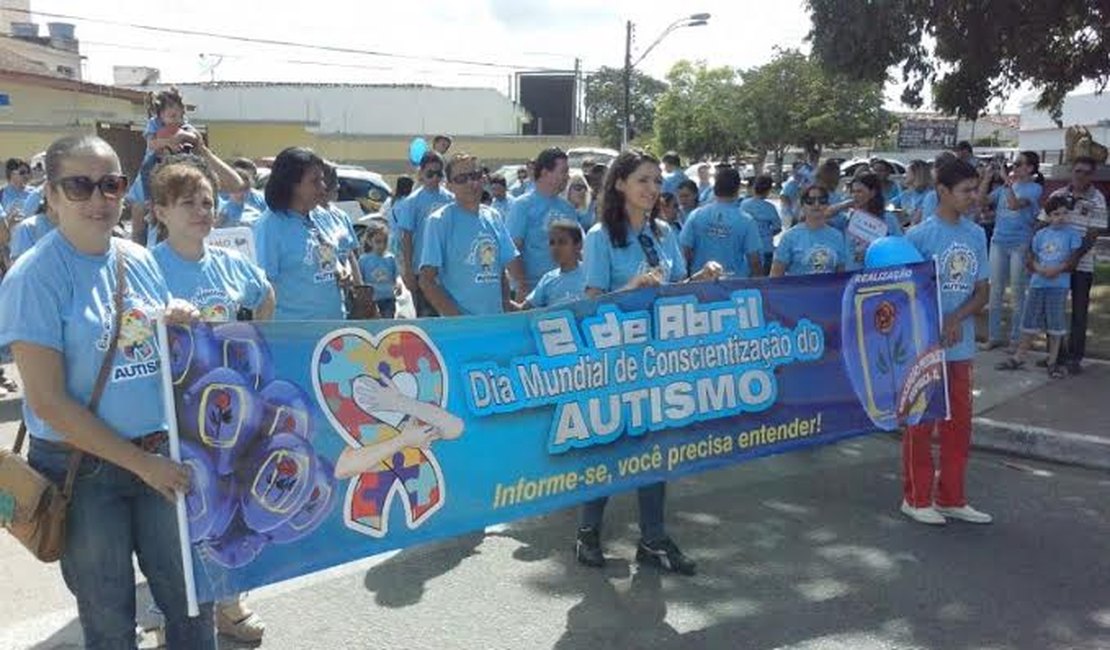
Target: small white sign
column 239, row 238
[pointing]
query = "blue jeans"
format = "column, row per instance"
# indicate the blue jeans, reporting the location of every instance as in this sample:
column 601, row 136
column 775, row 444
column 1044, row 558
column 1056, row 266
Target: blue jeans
column 112, row 515
column 651, row 499
column 1007, row 267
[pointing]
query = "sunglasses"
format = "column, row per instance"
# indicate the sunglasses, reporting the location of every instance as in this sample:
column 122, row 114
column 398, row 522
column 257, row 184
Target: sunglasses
column 650, row 253
column 467, row 177
column 433, row 173
column 80, row 188
column 815, row 200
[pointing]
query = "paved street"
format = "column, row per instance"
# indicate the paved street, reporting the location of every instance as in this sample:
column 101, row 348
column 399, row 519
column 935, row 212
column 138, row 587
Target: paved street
column 799, row 551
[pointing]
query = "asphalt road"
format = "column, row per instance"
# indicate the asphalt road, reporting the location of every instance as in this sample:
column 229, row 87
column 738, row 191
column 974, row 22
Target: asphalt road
column 799, row 551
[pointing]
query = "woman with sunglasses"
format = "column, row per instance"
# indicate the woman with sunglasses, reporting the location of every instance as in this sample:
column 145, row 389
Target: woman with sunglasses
column 57, row 312
column 1016, row 205
column 867, row 219
column 630, row 248
column 298, row 247
column 811, row 246
column 578, row 195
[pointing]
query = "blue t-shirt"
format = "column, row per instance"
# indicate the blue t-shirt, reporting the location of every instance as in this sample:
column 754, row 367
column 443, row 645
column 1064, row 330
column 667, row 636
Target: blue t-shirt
column 340, row 226
column 929, row 204
column 911, row 201
column 1015, row 227
column 520, row 189
column 11, row 197
column 470, row 251
column 671, row 181
column 839, row 220
column 1052, row 246
column 559, row 287
column 528, row 222
column 863, row 228
column 257, row 200
column 705, row 194
column 806, row 251
column 767, row 219
column 611, row 268
column 412, row 214
column 33, row 201
column 503, row 206
column 720, row 232
column 237, row 214
column 29, row 232
column 60, row 298
column 960, row 251
column 299, row 257
column 217, row 284
column 380, row 272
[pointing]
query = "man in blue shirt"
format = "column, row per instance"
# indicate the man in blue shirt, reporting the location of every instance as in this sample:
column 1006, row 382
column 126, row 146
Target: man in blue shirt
column 533, row 213
column 959, row 247
column 672, row 173
column 502, row 201
column 524, row 183
column 411, row 215
column 705, row 184
column 721, row 233
column 467, row 249
column 766, row 217
column 254, row 198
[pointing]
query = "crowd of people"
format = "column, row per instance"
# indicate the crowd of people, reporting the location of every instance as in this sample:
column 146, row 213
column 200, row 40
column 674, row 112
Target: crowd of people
column 464, row 242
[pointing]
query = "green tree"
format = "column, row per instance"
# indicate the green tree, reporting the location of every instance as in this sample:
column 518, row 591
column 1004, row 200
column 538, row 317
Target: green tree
column 793, row 100
column 968, row 51
column 605, row 103
column 697, row 114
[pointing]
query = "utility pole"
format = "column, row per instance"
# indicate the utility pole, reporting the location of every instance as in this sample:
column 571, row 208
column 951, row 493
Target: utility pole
column 627, row 84
column 574, row 129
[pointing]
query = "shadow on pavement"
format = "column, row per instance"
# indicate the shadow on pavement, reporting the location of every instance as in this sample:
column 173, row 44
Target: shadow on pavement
column 400, row 581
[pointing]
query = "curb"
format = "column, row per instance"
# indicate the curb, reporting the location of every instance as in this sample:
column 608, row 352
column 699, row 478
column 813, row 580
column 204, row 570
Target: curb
column 1041, row 444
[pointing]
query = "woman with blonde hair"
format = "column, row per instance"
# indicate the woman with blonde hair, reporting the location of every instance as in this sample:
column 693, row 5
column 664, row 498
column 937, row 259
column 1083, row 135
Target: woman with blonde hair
column 578, row 194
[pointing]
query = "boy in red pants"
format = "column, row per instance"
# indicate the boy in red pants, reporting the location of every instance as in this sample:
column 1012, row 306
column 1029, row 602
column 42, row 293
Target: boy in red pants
column 960, row 248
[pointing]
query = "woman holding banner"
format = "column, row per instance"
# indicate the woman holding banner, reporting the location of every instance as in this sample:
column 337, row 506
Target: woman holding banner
column 216, row 281
column 628, row 249
column 78, row 303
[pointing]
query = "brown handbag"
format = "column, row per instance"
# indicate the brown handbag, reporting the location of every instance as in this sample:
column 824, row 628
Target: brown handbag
column 32, row 508
column 360, row 302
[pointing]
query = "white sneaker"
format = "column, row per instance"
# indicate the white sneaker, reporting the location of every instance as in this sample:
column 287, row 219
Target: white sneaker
column 965, row 513
column 925, row 515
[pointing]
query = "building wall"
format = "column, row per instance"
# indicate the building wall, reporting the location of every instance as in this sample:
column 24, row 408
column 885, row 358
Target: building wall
column 1040, row 133
column 36, row 116
column 358, row 110
column 50, row 57
column 385, row 154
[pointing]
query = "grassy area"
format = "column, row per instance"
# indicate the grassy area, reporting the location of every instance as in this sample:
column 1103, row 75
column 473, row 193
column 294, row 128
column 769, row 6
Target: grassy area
column 1098, row 322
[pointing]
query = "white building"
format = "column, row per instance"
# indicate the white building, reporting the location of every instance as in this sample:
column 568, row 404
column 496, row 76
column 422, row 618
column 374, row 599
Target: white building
column 57, row 51
column 1040, row 133
column 356, row 109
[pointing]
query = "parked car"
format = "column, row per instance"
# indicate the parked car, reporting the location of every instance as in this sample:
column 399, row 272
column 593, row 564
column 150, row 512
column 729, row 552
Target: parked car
column 848, row 168
column 578, row 155
column 361, row 192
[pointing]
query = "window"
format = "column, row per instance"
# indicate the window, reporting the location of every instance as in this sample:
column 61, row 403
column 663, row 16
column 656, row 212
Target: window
column 66, row 71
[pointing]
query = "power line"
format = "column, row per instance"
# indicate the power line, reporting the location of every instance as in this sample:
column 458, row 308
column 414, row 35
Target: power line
column 268, row 41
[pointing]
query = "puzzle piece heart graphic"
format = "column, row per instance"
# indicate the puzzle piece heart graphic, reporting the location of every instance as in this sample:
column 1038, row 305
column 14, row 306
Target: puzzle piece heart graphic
column 349, row 370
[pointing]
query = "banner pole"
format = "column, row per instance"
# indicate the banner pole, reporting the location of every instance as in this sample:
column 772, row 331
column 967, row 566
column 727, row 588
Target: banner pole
column 940, row 319
column 175, row 453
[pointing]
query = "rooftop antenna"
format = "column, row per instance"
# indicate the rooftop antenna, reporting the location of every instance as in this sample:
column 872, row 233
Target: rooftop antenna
column 208, row 65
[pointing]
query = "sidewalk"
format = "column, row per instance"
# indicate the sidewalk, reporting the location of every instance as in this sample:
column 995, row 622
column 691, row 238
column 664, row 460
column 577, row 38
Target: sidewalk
column 1026, row 413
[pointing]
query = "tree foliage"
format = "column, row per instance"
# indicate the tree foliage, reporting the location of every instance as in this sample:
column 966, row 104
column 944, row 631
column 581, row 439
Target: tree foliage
column 605, row 103
column 790, row 101
column 697, row 114
column 967, row 51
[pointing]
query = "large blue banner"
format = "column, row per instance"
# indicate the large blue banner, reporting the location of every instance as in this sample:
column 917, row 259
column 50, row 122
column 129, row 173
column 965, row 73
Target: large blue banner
column 316, row 443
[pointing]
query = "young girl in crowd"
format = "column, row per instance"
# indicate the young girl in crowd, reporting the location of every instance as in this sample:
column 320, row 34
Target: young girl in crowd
column 167, row 131
column 766, row 217
column 811, row 246
column 1050, row 260
column 631, row 248
column 567, row 282
column 867, row 219
column 57, row 311
column 379, row 267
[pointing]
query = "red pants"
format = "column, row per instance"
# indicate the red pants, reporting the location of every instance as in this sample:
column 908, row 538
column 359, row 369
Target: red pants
column 955, row 441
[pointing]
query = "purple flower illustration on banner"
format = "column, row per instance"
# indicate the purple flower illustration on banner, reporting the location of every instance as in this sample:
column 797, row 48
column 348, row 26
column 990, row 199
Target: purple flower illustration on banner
column 895, row 355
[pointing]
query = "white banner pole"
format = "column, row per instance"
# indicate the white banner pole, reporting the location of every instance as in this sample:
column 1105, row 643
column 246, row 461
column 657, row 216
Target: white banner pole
column 175, row 453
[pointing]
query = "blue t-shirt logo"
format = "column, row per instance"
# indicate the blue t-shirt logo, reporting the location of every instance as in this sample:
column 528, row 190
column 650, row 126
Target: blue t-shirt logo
column 136, row 345
column 215, row 305
column 719, row 229
column 959, row 268
column 483, row 254
column 820, row 259
column 321, row 256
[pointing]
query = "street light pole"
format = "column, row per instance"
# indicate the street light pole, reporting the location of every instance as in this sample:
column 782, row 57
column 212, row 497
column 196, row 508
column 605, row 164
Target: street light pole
column 693, row 20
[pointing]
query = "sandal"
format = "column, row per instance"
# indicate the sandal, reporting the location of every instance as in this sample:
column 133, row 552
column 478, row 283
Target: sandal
column 235, row 620
column 1056, row 371
column 1009, row 364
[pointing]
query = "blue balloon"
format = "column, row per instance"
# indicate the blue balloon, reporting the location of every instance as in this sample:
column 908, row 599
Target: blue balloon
column 417, row 148
column 891, row 251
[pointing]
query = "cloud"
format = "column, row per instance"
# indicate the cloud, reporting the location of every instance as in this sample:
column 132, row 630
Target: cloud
column 531, row 15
